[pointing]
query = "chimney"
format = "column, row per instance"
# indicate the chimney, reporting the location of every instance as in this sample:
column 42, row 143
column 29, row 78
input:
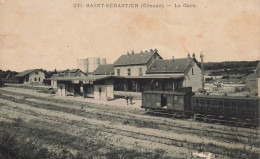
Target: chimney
column 193, row 55
column 141, row 52
column 188, row 56
column 202, row 70
column 155, row 50
column 133, row 52
column 151, row 50
column 127, row 53
column 172, row 58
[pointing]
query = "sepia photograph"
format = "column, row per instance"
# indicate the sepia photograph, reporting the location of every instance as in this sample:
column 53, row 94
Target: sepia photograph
column 129, row 79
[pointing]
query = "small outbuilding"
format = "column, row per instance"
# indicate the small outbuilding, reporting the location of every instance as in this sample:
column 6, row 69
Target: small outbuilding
column 35, row 76
column 97, row 87
column 66, row 73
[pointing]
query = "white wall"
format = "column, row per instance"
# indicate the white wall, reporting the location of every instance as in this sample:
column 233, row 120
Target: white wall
column 134, row 70
column 110, row 91
column 62, row 89
column 193, row 80
column 33, row 75
column 107, row 91
column 54, row 83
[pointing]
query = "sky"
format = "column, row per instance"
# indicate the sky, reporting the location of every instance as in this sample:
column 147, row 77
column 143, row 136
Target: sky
column 52, row 34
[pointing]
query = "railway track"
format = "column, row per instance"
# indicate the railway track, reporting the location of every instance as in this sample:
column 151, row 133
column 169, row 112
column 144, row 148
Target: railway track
column 114, row 116
column 133, row 134
column 123, row 112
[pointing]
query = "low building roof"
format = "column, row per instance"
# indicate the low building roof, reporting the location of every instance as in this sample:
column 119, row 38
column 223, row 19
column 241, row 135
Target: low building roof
column 101, row 77
column 135, row 58
column 26, row 72
column 81, row 78
column 104, row 69
column 169, row 66
column 156, row 77
column 64, row 73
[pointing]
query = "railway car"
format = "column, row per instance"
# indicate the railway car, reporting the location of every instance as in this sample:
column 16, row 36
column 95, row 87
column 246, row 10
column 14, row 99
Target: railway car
column 177, row 103
column 242, row 111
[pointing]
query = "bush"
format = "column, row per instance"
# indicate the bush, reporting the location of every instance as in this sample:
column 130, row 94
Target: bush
column 12, row 147
column 8, row 144
column 109, row 99
column 202, row 91
column 18, row 122
column 226, row 77
column 237, row 89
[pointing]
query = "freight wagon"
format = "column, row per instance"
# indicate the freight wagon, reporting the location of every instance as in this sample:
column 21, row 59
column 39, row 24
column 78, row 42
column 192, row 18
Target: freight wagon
column 177, row 103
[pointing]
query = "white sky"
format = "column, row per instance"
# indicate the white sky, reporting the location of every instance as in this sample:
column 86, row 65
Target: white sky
column 52, row 34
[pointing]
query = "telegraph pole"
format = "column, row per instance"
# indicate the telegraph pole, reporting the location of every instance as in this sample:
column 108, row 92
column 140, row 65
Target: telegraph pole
column 202, row 70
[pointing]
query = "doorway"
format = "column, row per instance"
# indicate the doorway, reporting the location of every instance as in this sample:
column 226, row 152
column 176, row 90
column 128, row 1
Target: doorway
column 163, row 100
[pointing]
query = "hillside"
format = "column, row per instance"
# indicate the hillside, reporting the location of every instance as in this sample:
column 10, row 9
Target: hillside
column 230, row 67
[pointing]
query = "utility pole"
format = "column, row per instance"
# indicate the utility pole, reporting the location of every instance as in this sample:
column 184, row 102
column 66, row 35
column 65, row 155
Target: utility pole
column 202, row 70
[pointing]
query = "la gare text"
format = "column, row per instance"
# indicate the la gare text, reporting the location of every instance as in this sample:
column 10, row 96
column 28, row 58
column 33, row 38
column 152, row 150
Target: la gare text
column 131, row 5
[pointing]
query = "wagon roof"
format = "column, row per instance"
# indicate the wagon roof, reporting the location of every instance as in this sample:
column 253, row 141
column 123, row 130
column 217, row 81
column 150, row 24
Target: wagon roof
column 163, row 92
column 225, row 97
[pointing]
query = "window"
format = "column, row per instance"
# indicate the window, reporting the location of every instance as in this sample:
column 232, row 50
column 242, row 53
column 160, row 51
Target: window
column 118, row 72
column 140, row 72
column 39, row 79
column 192, row 71
column 129, row 72
column 214, row 102
column 35, row 79
column 202, row 101
column 36, row 73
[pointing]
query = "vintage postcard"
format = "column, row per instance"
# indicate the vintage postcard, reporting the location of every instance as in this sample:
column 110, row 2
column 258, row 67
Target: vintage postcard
column 129, row 79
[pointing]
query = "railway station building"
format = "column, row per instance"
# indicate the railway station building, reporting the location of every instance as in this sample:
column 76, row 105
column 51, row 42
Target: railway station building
column 149, row 71
column 132, row 72
column 187, row 68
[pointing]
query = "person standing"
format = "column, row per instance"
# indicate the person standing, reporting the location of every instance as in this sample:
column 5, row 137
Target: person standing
column 126, row 98
column 131, row 99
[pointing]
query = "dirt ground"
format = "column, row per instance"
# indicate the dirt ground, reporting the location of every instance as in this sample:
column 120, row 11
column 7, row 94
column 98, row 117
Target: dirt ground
column 71, row 127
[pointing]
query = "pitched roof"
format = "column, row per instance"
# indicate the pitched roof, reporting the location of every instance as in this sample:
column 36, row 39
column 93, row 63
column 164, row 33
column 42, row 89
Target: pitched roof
column 135, row 58
column 26, row 72
column 71, row 72
column 104, row 69
column 169, row 66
